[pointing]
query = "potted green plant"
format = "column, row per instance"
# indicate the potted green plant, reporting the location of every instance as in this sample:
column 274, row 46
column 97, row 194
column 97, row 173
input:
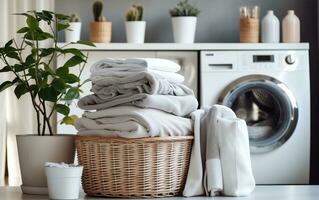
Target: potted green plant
column 134, row 25
column 73, row 33
column 100, row 29
column 51, row 90
column 184, row 19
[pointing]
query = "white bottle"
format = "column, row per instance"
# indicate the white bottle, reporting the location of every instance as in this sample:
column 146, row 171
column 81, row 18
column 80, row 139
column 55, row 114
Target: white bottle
column 270, row 28
column 291, row 28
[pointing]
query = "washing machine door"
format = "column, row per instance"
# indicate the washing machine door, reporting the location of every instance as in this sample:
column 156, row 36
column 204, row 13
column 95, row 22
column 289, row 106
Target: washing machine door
column 268, row 107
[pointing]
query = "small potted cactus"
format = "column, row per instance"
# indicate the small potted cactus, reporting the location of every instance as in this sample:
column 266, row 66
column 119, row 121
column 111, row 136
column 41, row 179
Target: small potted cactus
column 135, row 27
column 100, row 29
column 73, row 33
column 184, row 18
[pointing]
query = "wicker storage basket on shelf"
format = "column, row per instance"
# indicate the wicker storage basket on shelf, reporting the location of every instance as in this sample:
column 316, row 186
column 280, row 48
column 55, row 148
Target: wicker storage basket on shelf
column 145, row 167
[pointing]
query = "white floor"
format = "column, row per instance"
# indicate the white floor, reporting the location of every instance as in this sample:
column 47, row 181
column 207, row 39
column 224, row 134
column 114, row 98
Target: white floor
column 300, row 192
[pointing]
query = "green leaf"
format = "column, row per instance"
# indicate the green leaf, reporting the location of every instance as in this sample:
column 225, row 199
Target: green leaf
column 48, row 13
column 46, row 52
column 69, row 120
column 48, row 94
column 71, row 78
column 73, row 51
column 29, row 60
column 88, row 43
column 63, row 109
column 5, row 85
column 42, row 82
column 72, row 93
column 5, row 69
column 44, row 15
column 29, row 43
column 62, row 17
column 14, row 55
column 18, row 67
column 9, row 43
column 75, row 60
column 44, row 36
column 61, row 26
column 62, row 71
column 9, row 49
column 59, row 85
column 23, row 14
column 32, row 72
column 48, row 69
column 20, row 90
column 32, row 22
column 23, row 30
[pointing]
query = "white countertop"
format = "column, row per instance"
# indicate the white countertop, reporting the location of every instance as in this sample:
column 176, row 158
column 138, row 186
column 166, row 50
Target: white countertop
column 289, row 192
column 195, row 46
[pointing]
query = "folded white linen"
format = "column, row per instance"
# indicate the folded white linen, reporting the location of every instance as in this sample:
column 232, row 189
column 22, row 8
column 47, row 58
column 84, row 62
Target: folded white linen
column 134, row 65
column 177, row 105
column 135, row 83
column 220, row 155
column 133, row 122
column 168, row 76
column 160, row 64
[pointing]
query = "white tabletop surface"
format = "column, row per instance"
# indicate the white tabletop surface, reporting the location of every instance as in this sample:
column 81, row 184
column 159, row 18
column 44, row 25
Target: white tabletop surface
column 300, row 192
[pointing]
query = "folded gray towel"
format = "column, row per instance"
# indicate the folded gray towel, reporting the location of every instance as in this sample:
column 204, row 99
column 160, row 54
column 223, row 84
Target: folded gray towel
column 141, row 89
column 177, row 105
column 133, row 122
column 137, row 82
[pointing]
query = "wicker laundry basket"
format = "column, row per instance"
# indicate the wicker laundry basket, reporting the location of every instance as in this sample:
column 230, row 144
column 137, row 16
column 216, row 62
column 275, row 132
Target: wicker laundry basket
column 145, row 167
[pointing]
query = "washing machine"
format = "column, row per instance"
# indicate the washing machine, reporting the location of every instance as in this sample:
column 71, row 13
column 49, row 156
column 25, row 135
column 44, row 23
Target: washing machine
column 270, row 90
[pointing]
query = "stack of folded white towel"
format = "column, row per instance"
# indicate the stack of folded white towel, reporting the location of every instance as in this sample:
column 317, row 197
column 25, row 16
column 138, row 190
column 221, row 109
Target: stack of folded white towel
column 136, row 98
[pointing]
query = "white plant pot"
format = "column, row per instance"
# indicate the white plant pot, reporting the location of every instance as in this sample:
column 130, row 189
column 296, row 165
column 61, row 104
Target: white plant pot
column 34, row 151
column 64, row 183
column 73, row 32
column 184, row 29
column 135, row 31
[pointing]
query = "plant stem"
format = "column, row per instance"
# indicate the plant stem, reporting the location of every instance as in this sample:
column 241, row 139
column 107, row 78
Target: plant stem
column 28, row 86
column 44, row 117
column 35, row 106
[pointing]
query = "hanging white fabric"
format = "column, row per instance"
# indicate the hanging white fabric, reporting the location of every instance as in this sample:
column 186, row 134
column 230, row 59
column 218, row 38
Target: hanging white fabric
column 17, row 116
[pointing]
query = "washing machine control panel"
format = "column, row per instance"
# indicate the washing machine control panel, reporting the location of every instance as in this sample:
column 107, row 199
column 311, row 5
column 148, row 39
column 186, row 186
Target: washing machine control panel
column 214, row 61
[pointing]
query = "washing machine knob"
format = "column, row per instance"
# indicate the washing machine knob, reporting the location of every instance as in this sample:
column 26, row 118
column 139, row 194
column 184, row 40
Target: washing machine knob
column 290, row 60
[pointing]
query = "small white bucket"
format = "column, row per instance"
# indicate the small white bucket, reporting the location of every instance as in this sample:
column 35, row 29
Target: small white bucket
column 64, row 183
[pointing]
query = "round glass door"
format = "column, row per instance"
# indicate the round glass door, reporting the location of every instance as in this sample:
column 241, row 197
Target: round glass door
column 268, row 107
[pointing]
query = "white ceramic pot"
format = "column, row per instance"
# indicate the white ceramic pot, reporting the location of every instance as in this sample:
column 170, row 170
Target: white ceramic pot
column 34, row 151
column 135, row 31
column 64, row 183
column 73, row 32
column 184, row 29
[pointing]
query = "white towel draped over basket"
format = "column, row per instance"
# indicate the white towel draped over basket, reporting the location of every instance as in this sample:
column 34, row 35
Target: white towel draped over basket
column 220, row 162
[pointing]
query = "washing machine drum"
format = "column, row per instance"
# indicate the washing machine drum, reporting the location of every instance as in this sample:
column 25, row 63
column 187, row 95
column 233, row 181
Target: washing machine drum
column 268, row 107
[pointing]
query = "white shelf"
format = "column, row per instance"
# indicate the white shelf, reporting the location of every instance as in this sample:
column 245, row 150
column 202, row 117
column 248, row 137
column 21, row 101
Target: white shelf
column 189, row 47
